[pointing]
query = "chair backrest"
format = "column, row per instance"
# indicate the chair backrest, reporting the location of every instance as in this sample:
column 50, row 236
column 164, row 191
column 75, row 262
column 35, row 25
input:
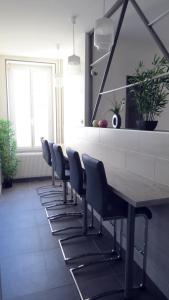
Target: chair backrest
column 59, row 161
column 96, row 182
column 99, row 194
column 51, row 151
column 46, row 151
column 76, row 171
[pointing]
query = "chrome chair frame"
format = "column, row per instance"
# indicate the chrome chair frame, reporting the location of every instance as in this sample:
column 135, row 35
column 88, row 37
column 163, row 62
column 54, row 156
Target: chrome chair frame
column 48, row 191
column 77, row 182
column 59, row 167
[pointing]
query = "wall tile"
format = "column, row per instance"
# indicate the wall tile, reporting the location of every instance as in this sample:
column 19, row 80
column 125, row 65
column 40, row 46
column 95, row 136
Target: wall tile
column 121, row 139
column 143, row 165
column 154, row 143
column 92, row 134
column 112, row 156
column 162, row 171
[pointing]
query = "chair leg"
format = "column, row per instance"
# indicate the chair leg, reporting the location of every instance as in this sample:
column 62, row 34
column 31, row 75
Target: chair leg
column 53, row 175
column 45, row 192
column 62, row 202
column 114, row 235
column 145, row 253
column 48, row 198
column 45, row 189
column 112, row 256
column 68, row 202
column 110, row 253
column 58, row 216
column 98, row 296
column 92, row 218
column 121, row 237
column 101, row 226
column 48, row 188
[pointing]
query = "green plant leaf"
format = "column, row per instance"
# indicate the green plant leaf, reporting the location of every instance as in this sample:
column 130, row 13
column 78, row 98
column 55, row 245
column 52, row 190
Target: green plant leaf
column 151, row 95
column 8, row 147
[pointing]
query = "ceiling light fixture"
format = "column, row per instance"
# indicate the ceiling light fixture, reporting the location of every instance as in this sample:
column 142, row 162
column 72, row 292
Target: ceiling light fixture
column 74, row 59
column 103, row 32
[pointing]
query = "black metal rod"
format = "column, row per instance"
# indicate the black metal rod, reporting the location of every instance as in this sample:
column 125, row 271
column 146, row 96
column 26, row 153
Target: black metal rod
column 110, row 58
column 150, row 29
column 111, row 11
column 99, row 59
column 134, row 84
column 88, row 79
column 159, row 18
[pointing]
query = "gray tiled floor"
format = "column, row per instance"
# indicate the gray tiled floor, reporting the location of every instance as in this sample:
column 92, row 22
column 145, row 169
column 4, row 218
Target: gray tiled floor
column 32, row 266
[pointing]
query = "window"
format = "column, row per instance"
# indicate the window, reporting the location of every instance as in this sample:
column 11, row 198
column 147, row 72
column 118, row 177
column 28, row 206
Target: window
column 30, row 101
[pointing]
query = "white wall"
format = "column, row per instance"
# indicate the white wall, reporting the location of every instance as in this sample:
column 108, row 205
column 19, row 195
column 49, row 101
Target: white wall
column 127, row 56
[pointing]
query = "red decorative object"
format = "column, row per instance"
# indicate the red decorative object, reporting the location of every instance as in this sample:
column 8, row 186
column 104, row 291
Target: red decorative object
column 103, row 123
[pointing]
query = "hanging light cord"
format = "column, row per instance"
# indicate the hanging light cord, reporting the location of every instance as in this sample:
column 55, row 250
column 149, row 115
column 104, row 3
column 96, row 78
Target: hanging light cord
column 104, row 7
column 74, row 22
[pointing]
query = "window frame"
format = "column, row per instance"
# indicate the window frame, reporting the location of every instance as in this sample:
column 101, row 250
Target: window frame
column 53, row 96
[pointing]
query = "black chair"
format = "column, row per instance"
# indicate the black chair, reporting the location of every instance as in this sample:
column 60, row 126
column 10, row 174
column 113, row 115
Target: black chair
column 109, row 206
column 63, row 175
column 78, row 184
column 50, row 147
column 51, row 191
column 47, row 157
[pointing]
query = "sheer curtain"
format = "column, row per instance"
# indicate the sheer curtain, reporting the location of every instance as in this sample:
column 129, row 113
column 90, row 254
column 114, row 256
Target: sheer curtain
column 59, row 108
column 35, row 102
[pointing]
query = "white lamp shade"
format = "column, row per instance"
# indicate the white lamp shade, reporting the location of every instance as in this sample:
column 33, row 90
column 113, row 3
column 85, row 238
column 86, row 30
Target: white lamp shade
column 103, row 34
column 74, row 60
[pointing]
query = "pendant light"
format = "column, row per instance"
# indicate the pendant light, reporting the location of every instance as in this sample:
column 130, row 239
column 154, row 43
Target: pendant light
column 103, row 32
column 74, row 59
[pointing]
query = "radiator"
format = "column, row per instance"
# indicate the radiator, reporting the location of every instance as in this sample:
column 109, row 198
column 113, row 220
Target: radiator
column 32, row 165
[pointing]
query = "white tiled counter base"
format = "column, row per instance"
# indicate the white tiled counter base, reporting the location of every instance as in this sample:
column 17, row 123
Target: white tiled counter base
column 145, row 154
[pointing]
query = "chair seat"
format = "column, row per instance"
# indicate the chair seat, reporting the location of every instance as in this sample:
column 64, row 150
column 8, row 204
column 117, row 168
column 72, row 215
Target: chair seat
column 144, row 211
column 113, row 205
column 66, row 163
column 67, row 175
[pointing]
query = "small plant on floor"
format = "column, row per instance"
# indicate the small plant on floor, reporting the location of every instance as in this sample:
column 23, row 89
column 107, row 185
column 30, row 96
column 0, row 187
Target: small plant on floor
column 8, row 158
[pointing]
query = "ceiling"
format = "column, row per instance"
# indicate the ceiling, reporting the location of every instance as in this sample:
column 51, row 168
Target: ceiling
column 35, row 27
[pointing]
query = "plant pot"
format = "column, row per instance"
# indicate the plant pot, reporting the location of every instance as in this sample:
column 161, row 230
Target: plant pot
column 116, row 121
column 7, row 183
column 146, row 125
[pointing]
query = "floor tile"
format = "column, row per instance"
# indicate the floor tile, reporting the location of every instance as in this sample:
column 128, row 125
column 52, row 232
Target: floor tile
column 57, row 273
column 23, row 274
column 13, row 221
column 40, row 217
column 19, row 242
column 47, row 240
column 68, row 292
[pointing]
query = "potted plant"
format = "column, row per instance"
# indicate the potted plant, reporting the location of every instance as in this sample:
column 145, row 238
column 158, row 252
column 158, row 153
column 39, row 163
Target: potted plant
column 8, row 156
column 151, row 92
column 116, row 109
